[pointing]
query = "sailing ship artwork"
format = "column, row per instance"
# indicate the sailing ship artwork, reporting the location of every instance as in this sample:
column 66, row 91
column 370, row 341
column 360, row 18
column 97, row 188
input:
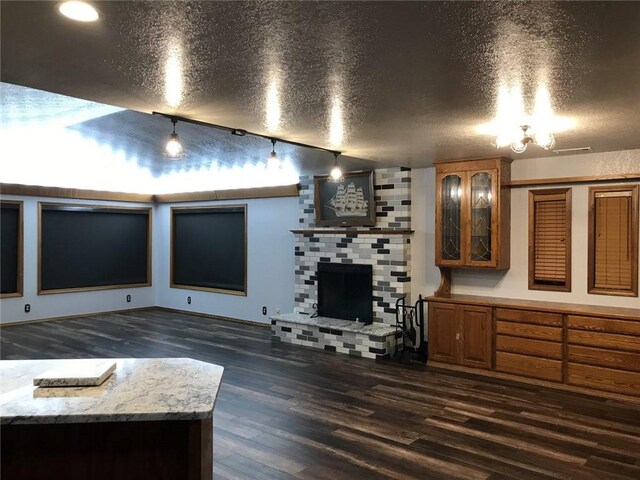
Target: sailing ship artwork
column 345, row 203
column 349, row 201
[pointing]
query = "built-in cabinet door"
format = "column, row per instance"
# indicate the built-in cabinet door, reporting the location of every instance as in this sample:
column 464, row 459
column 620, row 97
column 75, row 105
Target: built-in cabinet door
column 450, row 224
column 443, row 329
column 482, row 218
column 475, row 336
column 460, row 334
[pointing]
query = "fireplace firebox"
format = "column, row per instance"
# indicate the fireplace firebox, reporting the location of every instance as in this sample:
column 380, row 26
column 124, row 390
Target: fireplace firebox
column 345, row 291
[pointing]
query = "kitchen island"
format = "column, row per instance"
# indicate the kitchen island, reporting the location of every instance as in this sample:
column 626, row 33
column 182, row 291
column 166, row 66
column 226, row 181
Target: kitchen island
column 152, row 418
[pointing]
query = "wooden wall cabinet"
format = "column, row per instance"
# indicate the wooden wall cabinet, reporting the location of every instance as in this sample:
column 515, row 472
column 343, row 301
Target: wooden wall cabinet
column 460, row 334
column 473, row 205
column 581, row 348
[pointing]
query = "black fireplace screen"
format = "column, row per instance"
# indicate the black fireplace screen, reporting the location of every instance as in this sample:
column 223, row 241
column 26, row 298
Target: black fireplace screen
column 345, row 291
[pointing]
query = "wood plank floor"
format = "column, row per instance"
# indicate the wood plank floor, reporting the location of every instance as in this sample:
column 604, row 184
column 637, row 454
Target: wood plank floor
column 290, row 412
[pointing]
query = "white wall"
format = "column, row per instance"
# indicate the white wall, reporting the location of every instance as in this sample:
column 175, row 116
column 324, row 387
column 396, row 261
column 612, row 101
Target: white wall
column 61, row 304
column 270, row 273
column 513, row 283
column 270, row 267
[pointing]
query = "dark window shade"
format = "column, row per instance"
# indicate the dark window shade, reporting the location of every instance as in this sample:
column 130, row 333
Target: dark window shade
column 84, row 247
column 10, row 232
column 550, row 240
column 209, row 248
column 613, row 250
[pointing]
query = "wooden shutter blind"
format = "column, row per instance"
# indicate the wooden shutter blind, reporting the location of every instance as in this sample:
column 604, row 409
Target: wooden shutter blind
column 550, row 239
column 613, row 240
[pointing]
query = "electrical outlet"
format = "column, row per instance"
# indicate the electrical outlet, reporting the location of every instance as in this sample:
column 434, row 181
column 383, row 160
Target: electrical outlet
column 128, row 298
column 27, row 308
column 264, row 310
column 189, row 300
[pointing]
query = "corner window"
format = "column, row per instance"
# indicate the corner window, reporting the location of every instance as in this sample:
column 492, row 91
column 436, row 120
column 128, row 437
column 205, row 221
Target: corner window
column 550, row 239
column 613, row 240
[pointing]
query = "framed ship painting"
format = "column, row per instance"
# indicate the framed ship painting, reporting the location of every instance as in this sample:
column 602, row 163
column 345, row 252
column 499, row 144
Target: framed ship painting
column 346, row 203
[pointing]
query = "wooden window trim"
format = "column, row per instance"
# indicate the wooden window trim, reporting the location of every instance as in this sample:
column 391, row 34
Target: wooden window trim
column 535, row 196
column 177, row 210
column 633, row 232
column 147, row 211
column 20, row 253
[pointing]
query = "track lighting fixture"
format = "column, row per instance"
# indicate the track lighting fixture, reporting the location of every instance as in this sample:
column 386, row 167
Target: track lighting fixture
column 173, row 148
column 336, row 171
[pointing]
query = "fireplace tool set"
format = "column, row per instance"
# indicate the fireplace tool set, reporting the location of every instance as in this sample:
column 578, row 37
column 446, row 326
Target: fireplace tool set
column 409, row 337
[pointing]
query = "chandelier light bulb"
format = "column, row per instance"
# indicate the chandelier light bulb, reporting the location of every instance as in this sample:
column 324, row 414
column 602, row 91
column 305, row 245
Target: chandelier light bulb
column 546, row 140
column 519, row 146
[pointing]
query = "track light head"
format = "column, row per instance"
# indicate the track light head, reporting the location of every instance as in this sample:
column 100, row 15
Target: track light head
column 173, row 148
column 273, row 154
column 336, row 172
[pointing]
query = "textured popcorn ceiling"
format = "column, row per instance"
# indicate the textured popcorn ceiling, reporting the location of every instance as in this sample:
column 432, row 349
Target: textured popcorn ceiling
column 391, row 82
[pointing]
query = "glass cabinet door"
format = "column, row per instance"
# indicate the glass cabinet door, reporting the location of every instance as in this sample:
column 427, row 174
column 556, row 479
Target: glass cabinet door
column 451, row 203
column 481, row 205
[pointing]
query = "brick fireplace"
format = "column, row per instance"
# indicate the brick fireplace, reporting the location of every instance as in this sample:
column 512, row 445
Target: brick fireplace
column 386, row 247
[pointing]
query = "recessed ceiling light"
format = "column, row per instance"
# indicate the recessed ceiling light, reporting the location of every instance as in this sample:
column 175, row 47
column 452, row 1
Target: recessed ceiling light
column 80, row 11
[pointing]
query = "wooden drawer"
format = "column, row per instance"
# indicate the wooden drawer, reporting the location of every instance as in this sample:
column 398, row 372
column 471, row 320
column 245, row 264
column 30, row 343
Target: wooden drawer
column 528, row 346
column 526, row 316
column 527, row 330
column 601, row 378
column 541, row 368
column 605, row 358
column 599, row 324
column 606, row 340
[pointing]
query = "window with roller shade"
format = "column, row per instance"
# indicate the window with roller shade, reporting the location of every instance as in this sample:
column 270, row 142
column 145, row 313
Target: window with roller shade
column 613, row 240
column 11, row 248
column 550, row 239
column 209, row 248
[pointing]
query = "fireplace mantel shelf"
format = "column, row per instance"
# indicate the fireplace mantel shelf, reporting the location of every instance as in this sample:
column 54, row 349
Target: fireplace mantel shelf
column 368, row 231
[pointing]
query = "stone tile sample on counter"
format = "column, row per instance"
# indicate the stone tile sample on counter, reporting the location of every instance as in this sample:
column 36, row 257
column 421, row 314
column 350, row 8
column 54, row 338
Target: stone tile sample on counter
column 140, row 390
column 80, row 373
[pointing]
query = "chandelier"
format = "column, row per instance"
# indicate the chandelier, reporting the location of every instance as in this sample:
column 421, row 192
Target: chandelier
column 512, row 127
column 526, row 135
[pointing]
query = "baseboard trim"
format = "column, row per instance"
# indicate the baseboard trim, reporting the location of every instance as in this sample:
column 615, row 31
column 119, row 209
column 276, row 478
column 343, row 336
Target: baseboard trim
column 532, row 381
column 216, row 317
column 71, row 317
column 177, row 310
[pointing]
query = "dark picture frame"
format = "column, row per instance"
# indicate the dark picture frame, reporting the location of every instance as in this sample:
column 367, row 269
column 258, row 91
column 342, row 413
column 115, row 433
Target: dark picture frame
column 349, row 202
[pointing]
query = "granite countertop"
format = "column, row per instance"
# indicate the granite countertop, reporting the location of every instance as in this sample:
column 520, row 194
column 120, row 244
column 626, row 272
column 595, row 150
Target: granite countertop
column 376, row 329
column 146, row 389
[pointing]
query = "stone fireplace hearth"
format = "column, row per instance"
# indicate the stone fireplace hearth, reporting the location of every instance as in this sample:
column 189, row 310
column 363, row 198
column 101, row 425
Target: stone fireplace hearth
column 386, row 247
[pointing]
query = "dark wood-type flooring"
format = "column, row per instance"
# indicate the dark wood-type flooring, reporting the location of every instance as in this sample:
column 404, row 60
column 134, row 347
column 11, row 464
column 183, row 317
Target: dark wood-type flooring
column 293, row 412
